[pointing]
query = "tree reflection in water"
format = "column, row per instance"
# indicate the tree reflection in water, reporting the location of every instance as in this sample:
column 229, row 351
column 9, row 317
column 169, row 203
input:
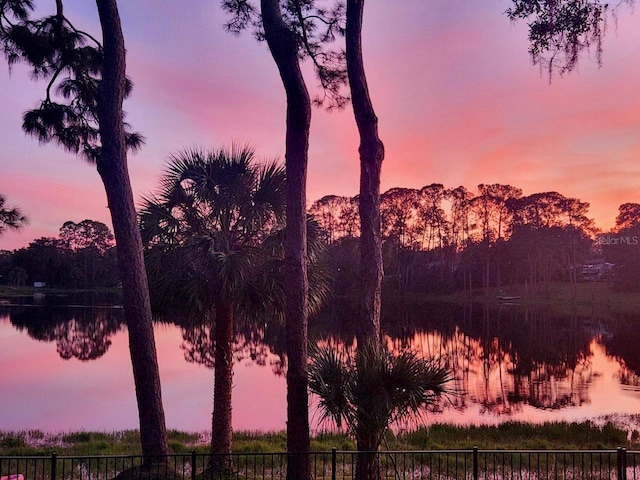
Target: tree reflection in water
column 259, row 344
column 83, row 333
column 84, row 340
column 503, row 358
column 621, row 339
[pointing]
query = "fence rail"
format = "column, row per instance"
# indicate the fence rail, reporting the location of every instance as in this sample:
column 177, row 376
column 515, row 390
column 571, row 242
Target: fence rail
column 467, row 464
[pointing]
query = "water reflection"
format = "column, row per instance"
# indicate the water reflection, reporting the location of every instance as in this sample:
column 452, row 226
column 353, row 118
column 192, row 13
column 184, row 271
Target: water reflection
column 507, row 357
column 79, row 332
column 508, row 361
column 261, row 345
column 504, row 358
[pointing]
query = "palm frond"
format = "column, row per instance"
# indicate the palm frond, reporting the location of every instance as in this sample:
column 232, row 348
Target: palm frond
column 330, row 380
column 220, row 206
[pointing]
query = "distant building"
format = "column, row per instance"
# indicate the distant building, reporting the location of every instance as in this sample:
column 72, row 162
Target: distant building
column 596, row 270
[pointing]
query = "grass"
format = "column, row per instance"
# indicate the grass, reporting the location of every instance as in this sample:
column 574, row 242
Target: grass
column 519, row 436
column 589, row 298
column 127, row 442
column 507, row 436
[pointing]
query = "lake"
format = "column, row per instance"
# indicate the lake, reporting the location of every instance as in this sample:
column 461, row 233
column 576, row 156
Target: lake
column 67, row 367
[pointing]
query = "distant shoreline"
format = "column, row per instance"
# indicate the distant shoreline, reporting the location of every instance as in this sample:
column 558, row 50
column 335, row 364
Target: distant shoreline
column 588, row 298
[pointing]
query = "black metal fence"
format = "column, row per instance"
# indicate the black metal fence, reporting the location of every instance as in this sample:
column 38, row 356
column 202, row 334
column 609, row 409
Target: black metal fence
column 470, row 464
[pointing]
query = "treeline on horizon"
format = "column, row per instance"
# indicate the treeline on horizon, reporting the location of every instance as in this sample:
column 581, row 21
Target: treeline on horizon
column 435, row 240
column 83, row 256
column 445, row 240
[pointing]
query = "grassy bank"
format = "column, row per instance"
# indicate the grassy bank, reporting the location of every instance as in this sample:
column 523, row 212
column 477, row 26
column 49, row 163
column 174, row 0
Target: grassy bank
column 592, row 298
column 588, row 299
column 509, row 436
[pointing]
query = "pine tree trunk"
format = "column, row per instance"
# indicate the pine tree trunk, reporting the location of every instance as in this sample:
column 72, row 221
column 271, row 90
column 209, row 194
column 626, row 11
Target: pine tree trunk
column 112, row 167
column 283, row 45
column 371, row 155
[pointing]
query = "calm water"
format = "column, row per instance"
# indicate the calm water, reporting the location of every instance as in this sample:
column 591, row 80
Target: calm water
column 68, row 368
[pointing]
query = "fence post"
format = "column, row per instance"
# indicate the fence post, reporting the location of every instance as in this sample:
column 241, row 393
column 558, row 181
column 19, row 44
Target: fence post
column 621, row 455
column 54, row 461
column 475, row 463
column 334, row 463
column 193, row 465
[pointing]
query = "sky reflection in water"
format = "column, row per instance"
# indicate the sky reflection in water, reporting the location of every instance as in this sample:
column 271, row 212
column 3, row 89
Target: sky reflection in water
column 40, row 390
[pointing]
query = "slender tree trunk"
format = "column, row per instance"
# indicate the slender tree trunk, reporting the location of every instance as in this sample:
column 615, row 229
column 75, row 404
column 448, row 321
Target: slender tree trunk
column 371, row 155
column 221, row 430
column 367, row 460
column 112, row 167
column 283, row 45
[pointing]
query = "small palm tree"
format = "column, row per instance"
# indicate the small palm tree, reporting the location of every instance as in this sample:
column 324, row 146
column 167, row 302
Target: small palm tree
column 370, row 390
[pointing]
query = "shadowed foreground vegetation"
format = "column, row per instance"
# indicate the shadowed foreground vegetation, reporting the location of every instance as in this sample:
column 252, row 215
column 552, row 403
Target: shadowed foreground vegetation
column 510, row 435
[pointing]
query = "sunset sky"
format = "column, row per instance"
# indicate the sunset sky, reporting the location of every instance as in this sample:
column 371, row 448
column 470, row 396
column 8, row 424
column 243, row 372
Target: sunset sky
column 458, row 99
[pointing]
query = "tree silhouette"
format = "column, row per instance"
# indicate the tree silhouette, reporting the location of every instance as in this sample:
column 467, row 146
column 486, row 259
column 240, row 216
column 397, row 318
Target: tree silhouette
column 88, row 241
column 628, row 216
column 296, row 29
column 371, row 150
column 461, row 202
column 285, row 48
column 369, row 391
column 550, row 209
column 10, row 217
column 71, row 261
column 398, row 212
column 207, row 227
column 337, row 216
column 86, row 234
column 560, row 30
column 622, row 247
column 215, row 240
column 82, row 112
column 434, row 225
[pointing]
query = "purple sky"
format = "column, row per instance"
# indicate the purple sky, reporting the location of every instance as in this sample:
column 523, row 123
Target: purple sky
column 451, row 80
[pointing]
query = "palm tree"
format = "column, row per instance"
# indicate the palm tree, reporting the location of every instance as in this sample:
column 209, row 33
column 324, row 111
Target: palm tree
column 215, row 247
column 10, row 217
column 208, row 222
column 370, row 390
